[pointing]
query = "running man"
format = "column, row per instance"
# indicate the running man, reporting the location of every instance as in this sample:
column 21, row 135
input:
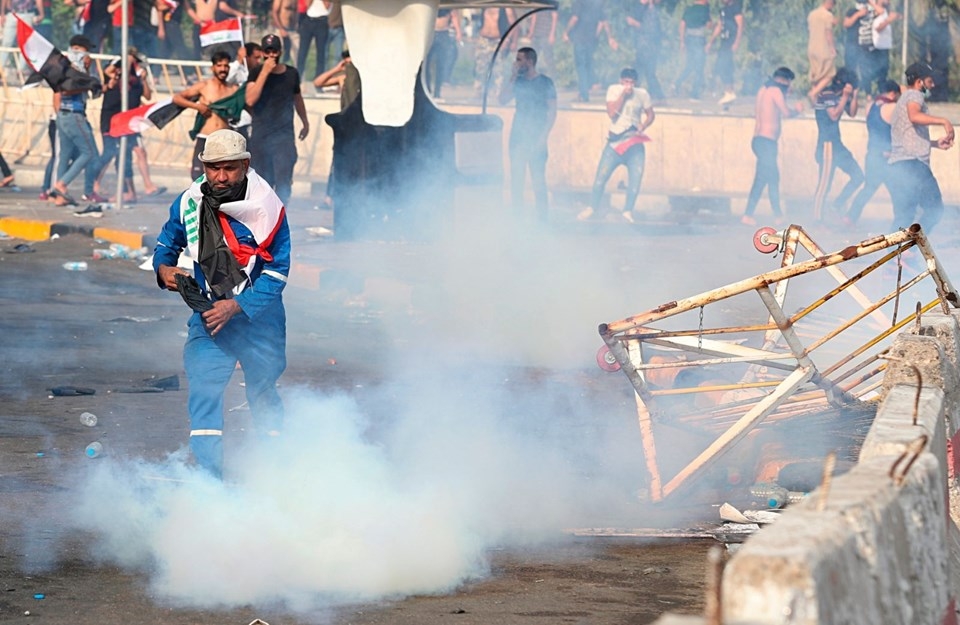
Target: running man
column 771, row 108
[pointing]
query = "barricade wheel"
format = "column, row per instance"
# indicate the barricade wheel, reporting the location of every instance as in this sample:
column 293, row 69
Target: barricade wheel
column 761, row 241
column 606, row 360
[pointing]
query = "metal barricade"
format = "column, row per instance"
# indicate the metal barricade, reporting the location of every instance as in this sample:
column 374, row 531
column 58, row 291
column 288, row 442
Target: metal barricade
column 818, row 348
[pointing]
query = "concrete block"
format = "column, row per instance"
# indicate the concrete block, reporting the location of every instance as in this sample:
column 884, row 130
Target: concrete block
column 876, row 554
column 924, row 352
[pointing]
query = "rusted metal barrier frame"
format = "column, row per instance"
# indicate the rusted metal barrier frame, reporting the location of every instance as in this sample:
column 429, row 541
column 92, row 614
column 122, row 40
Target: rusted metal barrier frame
column 624, row 339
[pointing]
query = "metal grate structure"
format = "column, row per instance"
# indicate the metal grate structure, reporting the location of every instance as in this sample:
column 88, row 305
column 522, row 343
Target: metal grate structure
column 813, row 345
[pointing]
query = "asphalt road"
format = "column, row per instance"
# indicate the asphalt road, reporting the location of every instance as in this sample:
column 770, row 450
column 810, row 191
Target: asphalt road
column 447, row 428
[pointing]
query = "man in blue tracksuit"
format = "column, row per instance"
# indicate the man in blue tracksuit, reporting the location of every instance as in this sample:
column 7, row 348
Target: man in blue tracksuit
column 234, row 228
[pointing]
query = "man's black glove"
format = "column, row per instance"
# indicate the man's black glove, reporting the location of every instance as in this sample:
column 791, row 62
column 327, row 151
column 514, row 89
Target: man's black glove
column 191, row 294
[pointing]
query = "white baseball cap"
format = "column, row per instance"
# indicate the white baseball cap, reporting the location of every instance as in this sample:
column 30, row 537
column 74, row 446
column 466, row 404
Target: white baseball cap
column 224, row 145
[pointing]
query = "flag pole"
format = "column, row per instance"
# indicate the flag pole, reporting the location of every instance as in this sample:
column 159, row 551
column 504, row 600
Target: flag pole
column 124, row 99
column 906, row 34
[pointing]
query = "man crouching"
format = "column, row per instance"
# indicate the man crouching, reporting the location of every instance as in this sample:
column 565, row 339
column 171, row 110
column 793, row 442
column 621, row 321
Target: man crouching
column 234, row 228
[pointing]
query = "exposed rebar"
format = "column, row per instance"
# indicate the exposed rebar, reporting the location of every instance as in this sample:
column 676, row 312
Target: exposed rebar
column 913, row 450
column 916, row 371
column 828, row 465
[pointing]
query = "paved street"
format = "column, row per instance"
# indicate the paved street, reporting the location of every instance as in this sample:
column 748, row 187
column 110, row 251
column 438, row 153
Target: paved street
column 447, row 427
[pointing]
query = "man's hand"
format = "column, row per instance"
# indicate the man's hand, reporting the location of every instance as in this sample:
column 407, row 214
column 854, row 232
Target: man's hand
column 168, row 276
column 203, row 109
column 946, row 142
column 269, row 64
column 223, row 310
column 304, row 131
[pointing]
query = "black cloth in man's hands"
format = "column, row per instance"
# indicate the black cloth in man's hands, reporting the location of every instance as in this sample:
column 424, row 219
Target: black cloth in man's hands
column 191, row 293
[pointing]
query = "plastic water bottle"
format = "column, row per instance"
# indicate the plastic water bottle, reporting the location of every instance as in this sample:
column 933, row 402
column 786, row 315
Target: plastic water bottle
column 771, row 495
column 76, row 265
column 102, row 254
column 88, row 419
column 94, row 449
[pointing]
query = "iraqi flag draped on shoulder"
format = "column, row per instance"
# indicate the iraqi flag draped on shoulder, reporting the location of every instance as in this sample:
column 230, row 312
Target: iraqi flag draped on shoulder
column 213, row 33
column 50, row 64
column 156, row 115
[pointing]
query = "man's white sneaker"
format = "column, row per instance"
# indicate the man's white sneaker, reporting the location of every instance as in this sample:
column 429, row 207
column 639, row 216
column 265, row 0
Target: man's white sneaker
column 628, row 217
column 727, row 98
column 748, row 220
column 585, row 214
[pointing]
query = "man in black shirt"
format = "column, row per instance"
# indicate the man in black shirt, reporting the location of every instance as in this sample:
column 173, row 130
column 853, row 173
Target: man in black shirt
column 693, row 43
column 583, row 31
column 273, row 93
column 838, row 97
column 729, row 31
column 644, row 21
column 536, row 112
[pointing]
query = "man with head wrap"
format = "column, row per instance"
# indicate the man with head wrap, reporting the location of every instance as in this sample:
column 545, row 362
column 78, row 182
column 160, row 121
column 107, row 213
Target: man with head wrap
column 234, row 228
column 771, row 108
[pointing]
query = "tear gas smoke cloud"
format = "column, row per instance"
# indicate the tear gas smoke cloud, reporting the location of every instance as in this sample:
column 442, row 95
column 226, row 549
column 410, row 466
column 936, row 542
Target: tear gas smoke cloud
column 340, row 509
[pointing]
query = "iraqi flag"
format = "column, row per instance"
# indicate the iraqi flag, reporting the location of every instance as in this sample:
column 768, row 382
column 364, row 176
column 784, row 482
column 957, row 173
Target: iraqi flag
column 213, row 33
column 50, row 64
column 156, row 115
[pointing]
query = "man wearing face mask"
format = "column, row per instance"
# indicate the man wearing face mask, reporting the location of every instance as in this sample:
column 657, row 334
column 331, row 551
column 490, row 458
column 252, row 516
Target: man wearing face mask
column 771, row 108
column 912, row 183
column 536, row 112
column 234, row 227
column 78, row 150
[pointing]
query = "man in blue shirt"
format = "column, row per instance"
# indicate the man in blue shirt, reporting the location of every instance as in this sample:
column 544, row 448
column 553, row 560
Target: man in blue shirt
column 234, row 228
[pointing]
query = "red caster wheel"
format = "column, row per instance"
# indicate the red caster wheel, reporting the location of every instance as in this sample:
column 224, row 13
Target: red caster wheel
column 761, row 241
column 606, row 359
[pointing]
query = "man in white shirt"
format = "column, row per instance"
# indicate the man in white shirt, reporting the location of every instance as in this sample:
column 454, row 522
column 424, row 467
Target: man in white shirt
column 631, row 113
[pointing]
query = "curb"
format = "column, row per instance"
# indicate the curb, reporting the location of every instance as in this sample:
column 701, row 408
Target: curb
column 39, row 230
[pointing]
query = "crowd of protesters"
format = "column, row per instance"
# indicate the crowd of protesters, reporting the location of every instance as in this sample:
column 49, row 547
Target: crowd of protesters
column 311, row 32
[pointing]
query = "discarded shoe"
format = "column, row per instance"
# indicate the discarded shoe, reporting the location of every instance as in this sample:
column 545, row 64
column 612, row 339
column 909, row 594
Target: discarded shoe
column 169, row 383
column 93, row 210
column 71, row 391
column 21, row 248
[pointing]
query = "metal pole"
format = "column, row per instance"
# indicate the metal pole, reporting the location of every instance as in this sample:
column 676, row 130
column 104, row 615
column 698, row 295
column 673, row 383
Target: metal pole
column 906, row 34
column 124, row 99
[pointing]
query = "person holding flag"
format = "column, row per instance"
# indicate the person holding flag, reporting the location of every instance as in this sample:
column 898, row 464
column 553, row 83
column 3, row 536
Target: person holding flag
column 217, row 102
column 78, row 150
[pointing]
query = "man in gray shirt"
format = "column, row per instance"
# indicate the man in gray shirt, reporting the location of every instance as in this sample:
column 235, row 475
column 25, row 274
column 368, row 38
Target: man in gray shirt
column 912, row 184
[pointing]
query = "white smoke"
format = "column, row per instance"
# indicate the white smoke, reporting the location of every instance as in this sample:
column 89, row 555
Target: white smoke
column 340, row 509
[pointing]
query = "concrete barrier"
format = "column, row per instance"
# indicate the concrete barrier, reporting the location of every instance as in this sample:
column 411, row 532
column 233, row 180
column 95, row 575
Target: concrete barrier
column 882, row 545
column 692, row 154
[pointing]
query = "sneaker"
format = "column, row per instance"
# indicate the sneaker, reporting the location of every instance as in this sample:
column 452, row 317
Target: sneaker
column 628, row 217
column 585, row 214
column 727, row 98
column 93, row 210
column 93, row 197
column 747, row 220
column 43, row 195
